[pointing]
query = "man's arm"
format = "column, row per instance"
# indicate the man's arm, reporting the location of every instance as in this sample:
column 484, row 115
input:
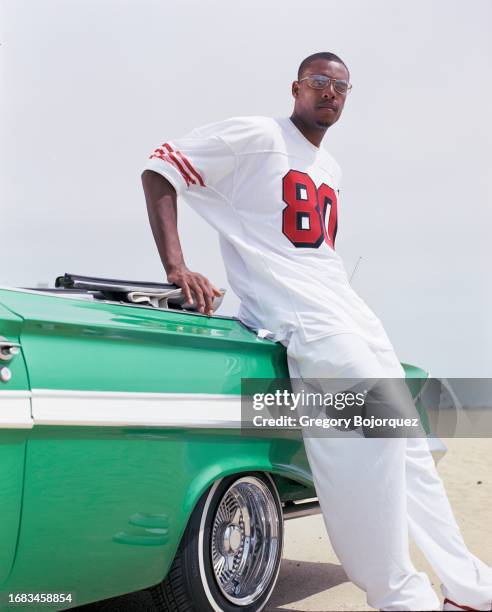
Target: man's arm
column 161, row 198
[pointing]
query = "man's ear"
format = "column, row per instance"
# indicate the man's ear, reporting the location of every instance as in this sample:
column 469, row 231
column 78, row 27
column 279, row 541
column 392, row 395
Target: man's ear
column 295, row 89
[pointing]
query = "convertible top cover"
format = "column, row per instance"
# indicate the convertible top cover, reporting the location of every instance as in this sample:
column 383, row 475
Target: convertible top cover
column 159, row 295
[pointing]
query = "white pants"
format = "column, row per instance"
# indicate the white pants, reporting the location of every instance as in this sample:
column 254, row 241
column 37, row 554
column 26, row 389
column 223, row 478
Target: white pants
column 373, row 491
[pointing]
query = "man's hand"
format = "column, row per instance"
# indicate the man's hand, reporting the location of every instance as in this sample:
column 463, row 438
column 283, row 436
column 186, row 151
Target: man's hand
column 196, row 288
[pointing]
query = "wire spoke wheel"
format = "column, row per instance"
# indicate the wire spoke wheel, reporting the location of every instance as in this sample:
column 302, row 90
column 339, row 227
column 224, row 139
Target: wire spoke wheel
column 245, row 540
column 229, row 556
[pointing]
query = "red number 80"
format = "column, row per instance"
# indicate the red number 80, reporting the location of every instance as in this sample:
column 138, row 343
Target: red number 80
column 303, row 219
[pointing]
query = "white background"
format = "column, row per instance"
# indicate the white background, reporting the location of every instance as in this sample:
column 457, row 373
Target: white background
column 90, row 88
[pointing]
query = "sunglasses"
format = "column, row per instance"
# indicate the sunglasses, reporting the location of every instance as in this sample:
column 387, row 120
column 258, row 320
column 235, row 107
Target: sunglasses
column 321, row 81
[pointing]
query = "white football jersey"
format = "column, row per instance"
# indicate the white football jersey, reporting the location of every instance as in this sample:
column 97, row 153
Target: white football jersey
column 273, row 198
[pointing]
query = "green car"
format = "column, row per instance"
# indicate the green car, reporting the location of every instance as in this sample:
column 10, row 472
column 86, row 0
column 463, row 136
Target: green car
column 122, row 462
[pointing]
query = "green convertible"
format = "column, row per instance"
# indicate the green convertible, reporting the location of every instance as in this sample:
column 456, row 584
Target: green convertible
column 122, row 462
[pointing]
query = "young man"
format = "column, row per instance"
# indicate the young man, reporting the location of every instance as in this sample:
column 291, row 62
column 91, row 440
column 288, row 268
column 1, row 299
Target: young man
column 271, row 191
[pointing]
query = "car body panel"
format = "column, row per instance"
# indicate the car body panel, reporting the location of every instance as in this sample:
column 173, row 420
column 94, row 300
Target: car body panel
column 137, row 348
column 114, row 502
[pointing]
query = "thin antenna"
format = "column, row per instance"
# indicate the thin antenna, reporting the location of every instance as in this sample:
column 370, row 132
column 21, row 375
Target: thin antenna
column 355, row 269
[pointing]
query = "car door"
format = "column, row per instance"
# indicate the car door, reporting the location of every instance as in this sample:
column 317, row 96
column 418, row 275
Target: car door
column 15, row 423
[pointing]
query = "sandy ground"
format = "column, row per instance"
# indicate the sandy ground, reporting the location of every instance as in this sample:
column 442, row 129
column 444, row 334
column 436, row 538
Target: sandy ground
column 311, row 578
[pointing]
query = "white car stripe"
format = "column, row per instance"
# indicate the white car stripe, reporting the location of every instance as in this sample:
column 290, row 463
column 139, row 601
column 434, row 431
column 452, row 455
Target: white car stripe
column 120, row 409
column 15, row 410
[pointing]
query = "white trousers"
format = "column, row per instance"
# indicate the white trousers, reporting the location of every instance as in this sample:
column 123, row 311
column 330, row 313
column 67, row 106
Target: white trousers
column 374, row 491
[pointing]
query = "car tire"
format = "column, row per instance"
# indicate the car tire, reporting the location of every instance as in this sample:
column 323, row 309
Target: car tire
column 229, row 557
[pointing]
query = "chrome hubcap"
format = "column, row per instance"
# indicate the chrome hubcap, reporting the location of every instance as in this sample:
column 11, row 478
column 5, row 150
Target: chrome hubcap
column 245, row 540
column 232, row 539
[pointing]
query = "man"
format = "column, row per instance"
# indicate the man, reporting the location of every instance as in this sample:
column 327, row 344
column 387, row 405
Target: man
column 271, row 191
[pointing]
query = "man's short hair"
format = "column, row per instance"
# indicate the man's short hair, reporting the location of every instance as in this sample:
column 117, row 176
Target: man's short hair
column 331, row 57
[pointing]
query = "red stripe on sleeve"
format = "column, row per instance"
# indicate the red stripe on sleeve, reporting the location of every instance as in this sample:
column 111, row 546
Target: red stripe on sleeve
column 191, row 169
column 160, row 154
column 178, row 164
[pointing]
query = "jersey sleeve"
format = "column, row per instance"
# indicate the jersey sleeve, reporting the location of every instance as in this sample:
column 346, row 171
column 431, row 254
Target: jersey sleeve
column 203, row 159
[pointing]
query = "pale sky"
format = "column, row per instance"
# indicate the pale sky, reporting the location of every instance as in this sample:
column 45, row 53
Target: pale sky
column 89, row 88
